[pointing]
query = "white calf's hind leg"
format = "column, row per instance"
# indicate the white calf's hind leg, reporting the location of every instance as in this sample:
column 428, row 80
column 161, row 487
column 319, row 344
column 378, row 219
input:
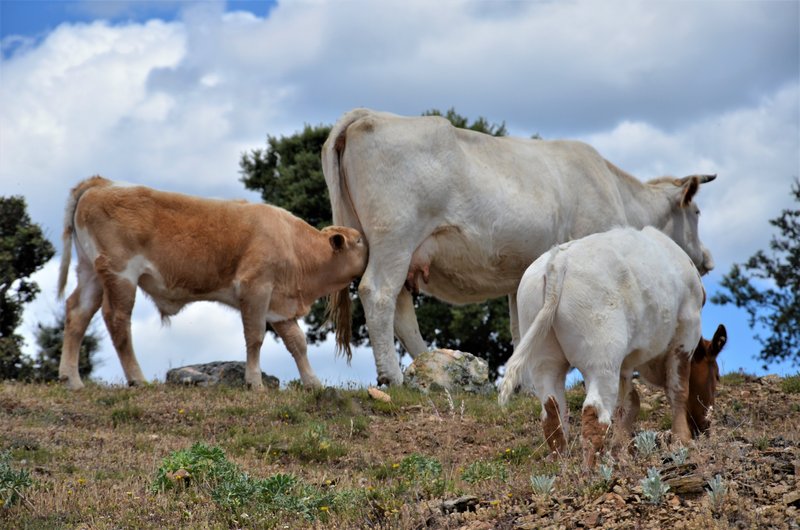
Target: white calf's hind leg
column 82, row 304
column 547, row 372
column 295, row 341
column 602, row 387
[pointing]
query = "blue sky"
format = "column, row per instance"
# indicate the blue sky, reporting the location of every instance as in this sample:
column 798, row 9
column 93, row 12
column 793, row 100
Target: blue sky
column 169, row 94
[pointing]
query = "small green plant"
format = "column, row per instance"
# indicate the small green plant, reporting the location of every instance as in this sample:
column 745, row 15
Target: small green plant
column 315, row 445
column 126, row 413
column 420, row 473
column 791, row 384
column 734, row 379
column 653, row 488
column 717, row 492
column 12, row 483
column 543, row 484
column 606, row 470
column 645, row 442
column 679, row 457
column 198, row 464
column 483, row 470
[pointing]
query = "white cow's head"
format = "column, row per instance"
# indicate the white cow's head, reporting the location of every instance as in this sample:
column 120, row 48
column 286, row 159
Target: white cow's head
column 681, row 222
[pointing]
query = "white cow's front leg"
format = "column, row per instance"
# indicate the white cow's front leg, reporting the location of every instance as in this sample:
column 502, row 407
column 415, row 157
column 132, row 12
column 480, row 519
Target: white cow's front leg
column 295, row 341
column 405, row 325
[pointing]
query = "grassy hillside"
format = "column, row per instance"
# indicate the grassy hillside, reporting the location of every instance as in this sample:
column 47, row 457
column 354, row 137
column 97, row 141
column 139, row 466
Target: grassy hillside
column 169, row 457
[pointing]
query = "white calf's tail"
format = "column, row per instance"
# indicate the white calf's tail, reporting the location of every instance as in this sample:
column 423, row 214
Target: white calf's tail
column 69, row 226
column 519, row 365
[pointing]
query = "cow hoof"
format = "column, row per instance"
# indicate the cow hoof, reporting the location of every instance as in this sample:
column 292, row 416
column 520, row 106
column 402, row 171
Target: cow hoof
column 72, row 384
column 386, row 380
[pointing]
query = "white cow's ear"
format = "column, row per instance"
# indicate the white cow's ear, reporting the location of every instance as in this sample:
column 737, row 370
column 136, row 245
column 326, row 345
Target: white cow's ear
column 690, row 187
column 337, row 242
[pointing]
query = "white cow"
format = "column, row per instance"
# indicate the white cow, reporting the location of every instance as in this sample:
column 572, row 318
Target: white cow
column 607, row 304
column 468, row 212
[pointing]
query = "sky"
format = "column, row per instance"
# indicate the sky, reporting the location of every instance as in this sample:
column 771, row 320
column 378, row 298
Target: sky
column 170, row 94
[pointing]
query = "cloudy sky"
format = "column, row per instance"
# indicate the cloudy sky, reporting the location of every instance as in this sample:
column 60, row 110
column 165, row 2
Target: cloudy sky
column 170, row 94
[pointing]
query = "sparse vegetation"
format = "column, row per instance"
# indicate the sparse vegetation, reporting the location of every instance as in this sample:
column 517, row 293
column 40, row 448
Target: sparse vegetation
column 172, row 457
column 645, row 442
column 653, row 488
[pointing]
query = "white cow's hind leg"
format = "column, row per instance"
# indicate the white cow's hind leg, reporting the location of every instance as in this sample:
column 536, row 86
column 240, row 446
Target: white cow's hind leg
column 295, row 341
column 378, row 291
column 405, row 325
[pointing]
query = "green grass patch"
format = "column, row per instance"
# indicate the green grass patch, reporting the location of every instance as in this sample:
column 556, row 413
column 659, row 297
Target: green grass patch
column 127, row 413
column 484, row 470
column 12, row 483
column 791, row 384
column 316, row 445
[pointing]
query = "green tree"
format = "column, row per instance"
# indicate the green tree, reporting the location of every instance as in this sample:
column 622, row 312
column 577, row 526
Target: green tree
column 49, row 340
column 288, row 173
column 767, row 286
column 23, row 251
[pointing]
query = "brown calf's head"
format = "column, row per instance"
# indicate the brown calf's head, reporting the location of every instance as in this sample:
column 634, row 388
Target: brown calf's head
column 350, row 254
column 703, row 380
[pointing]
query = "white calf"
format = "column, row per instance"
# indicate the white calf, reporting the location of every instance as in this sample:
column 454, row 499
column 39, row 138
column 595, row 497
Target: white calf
column 606, row 304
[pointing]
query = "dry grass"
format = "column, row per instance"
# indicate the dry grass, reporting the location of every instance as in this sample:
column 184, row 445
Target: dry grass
column 94, row 456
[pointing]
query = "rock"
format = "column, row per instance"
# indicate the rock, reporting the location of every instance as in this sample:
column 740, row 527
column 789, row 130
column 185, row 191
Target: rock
column 688, row 484
column 792, row 499
column 379, row 395
column 230, row 373
column 449, row 369
column 460, row 504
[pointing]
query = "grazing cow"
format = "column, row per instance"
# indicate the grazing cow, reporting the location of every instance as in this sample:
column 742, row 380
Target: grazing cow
column 466, row 213
column 608, row 304
column 256, row 258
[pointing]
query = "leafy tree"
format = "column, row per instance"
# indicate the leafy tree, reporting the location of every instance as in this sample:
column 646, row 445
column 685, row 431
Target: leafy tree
column 767, row 286
column 23, row 251
column 288, row 173
column 49, row 340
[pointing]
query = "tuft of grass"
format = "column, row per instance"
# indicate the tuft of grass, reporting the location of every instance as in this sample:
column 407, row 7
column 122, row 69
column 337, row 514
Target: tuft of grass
column 717, row 493
column 791, row 384
column 12, row 483
column 679, row 456
column 543, row 484
column 734, row 379
column 420, row 474
column 645, row 442
column 483, row 470
column 127, row 413
column 653, row 488
column 315, row 445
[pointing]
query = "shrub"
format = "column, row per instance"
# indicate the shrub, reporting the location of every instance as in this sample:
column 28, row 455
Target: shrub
column 645, row 442
column 653, row 488
column 12, row 483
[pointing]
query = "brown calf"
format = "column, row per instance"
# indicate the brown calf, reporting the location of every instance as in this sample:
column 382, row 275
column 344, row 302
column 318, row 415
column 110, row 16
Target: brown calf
column 259, row 259
column 702, row 388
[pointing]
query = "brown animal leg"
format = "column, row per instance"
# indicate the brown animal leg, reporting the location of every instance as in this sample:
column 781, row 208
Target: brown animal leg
column 677, row 392
column 118, row 298
column 254, row 306
column 82, row 304
column 553, row 431
column 295, row 341
column 624, row 416
column 593, row 433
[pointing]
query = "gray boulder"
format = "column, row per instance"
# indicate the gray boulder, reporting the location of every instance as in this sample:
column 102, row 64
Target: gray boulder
column 230, row 373
column 449, row 369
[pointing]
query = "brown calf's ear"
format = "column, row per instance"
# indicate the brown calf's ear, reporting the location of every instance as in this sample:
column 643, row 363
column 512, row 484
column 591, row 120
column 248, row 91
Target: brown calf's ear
column 719, row 340
column 337, row 242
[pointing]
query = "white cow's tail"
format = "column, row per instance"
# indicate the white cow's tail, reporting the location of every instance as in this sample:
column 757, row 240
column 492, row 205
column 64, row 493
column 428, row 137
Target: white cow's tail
column 519, row 365
column 69, row 226
column 342, row 207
